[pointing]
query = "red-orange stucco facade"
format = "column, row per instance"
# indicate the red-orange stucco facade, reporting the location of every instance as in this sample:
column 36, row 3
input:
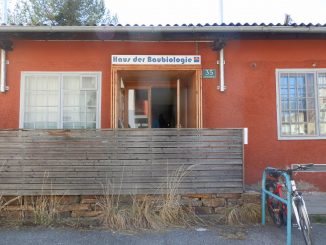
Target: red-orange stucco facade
column 250, row 98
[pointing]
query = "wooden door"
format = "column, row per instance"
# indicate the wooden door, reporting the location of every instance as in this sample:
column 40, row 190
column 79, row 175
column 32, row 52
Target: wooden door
column 121, row 104
column 192, row 102
column 182, row 104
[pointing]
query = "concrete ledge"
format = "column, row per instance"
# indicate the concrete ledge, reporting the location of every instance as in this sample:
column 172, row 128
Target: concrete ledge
column 315, row 202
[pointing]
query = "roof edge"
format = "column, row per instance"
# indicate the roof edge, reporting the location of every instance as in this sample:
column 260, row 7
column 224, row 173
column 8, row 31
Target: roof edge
column 166, row 29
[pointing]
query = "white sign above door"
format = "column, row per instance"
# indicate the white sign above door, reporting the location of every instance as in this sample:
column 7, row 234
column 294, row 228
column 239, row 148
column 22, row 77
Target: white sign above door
column 156, row 59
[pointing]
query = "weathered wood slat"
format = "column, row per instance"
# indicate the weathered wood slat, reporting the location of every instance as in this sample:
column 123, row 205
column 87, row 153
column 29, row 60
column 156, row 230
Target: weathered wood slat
column 94, row 163
column 134, row 191
column 122, row 157
column 125, row 175
column 137, row 161
column 124, row 168
column 11, row 162
column 81, row 149
column 115, row 179
column 113, row 187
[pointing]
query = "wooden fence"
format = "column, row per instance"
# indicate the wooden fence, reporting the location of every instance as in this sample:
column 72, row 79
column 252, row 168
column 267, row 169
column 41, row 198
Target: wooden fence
column 124, row 161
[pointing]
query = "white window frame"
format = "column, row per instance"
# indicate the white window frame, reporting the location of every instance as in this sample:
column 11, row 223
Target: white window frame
column 278, row 105
column 60, row 74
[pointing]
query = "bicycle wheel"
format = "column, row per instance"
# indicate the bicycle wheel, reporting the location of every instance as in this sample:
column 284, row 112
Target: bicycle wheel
column 275, row 211
column 304, row 223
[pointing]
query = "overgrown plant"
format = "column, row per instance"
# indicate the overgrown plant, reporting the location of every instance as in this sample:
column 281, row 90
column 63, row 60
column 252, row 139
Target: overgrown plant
column 147, row 212
column 247, row 213
column 45, row 207
column 4, row 203
column 172, row 212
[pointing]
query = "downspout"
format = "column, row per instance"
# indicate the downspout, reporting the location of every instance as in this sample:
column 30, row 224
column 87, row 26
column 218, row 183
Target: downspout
column 221, row 86
column 221, row 47
column 218, row 46
column 3, row 86
column 3, row 52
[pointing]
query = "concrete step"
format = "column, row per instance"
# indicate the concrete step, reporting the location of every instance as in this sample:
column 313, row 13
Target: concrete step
column 315, row 202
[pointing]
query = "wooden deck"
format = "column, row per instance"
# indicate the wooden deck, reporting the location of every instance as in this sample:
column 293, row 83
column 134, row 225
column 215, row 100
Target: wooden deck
column 124, row 161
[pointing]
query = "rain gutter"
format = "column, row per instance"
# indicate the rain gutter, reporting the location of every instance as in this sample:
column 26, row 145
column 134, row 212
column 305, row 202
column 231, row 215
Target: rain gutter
column 168, row 29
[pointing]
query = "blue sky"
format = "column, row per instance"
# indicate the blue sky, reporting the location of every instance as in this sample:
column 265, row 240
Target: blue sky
column 207, row 11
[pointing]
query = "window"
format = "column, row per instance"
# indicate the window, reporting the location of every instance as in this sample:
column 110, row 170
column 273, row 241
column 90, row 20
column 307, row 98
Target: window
column 60, row 100
column 301, row 104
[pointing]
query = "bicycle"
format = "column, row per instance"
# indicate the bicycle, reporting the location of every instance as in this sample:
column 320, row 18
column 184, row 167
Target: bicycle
column 278, row 210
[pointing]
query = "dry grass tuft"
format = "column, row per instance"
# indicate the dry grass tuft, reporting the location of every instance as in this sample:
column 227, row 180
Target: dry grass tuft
column 4, row 203
column 140, row 214
column 147, row 213
column 172, row 212
column 247, row 213
column 45, row 209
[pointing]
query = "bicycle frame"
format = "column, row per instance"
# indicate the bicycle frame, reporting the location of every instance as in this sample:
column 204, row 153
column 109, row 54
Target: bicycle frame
column 294, row 201
column 277, row 190
column 295, row 198
column 286, row 201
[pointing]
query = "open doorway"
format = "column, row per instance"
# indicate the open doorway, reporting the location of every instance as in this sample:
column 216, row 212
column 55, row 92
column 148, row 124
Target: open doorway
column 164, row 107
column 156, row 99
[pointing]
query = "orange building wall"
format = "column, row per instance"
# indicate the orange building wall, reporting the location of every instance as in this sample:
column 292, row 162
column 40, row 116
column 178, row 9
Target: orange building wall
column 249, row 100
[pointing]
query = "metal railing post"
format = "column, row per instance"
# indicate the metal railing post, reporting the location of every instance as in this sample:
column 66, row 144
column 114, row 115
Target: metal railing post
column 289, row 210
column 287, row 201
column 263, row 199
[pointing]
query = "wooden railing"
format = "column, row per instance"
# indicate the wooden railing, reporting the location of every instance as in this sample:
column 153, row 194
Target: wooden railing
column 124, row 161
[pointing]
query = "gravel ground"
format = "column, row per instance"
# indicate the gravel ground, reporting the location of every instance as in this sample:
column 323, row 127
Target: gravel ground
column 253, row 235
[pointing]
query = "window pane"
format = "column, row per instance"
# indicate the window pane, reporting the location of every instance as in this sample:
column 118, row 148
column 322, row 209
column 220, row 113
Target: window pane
column 285, row 105
column 286, row 129
column 285, row 117
column 311, row 116
column 89, row 83
column 322, row 92
column 73, row 114
column 310, row 84
column 41, row 101
column 302, row 104
column 91, row 98
column 28, row 125
column 90, row 125
column 284, row 81
column 322, row 116
column 91, row 115
column 71, row 82
column 293, row 104
column 73, row 99
column 322, row 102
column 323, row 128
column 68, row 125
column 284, row 92
column 311, row 103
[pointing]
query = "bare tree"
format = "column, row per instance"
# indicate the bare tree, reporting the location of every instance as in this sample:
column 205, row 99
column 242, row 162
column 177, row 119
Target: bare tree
column 62, row 12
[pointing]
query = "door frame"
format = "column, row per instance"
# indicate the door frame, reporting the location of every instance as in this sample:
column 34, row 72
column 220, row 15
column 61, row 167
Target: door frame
column 115, row 84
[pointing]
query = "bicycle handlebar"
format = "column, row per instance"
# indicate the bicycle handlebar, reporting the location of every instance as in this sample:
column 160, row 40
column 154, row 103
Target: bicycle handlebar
column 301, row 167
column 276, row 173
